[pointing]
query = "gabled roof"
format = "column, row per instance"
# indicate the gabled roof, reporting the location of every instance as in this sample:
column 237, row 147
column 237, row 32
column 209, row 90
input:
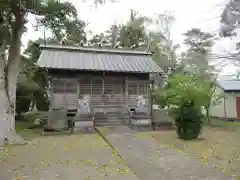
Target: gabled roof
column 75, row 58
column 229, row 85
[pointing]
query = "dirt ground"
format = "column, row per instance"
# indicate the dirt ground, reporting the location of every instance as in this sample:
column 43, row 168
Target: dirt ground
column 80, row 157
column 219, row 147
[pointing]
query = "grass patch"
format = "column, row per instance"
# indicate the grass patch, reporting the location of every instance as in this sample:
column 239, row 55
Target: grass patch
column 20, row 126
column 226, row 124
column 219, row 147
column 22, row 129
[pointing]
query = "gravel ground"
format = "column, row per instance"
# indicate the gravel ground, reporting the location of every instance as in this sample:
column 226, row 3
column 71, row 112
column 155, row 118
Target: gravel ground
column 80, row 157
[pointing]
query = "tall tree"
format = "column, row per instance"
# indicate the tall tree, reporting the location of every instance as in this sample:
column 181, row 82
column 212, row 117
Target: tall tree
column 55, row 15
column 199, row 46
column 75, row 31
column 132, row 34
column 230, row 22
column 230, row 18
column 106, row 39
column 25, row 85
column 198, row 59
column 29, row 72
column 160, row 41
column 39, row 95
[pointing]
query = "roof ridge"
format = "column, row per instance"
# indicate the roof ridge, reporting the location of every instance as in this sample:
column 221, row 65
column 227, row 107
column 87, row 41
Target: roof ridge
column 95, row 50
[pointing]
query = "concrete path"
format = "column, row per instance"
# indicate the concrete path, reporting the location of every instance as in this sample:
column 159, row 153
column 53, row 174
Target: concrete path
column 154, row 162
column 75, row 157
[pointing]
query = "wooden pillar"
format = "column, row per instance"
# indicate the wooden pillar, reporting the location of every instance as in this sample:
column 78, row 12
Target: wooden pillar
column 103, row 86
column 50, row 82
column 126, row 92
column 103, row 91
column 151, row 98
column 224, row 106
column 65, row 95
column 138, row 89
column 91, row 87
column 103, row 83
column 78, row 87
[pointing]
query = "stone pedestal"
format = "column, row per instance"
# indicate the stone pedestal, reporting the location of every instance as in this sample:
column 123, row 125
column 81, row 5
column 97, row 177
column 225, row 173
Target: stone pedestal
column 57, row 119
column 86, row 126
column 141, row 122
column 1, row 139
column 160, row 116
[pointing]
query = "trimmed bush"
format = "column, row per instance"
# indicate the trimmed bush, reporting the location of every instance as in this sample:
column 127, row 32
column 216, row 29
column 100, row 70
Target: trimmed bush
column 189, row 121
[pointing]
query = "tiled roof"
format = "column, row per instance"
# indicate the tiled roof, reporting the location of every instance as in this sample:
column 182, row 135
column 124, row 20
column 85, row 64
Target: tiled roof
column 229, row 85
column 64, row 57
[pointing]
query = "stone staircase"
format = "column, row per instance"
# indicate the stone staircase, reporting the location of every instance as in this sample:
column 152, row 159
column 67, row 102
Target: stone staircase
column 111, row 119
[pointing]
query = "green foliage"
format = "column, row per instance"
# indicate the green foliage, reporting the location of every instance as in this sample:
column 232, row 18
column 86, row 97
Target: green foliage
column 25, row 85
column 185, row 94
column 199, row 48
column 183, row 88
column 60, row 17
column 57, row 16
column 132, row 35
column 159, row 56
column 75, row 31
column 198, row 41
column 230, row 18
column 32, row 116
column 161, row 44
column 32, row 82
column 102, row 38
column 159, row 97
column 188, row 121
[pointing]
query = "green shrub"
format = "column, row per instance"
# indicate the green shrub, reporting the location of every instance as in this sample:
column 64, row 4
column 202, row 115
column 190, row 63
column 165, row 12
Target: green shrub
column 188, row 121
column 184, row 95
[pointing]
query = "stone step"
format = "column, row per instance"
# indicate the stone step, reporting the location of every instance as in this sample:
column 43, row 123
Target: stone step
column 112, row 123
column 108, row 120
column 109, row 124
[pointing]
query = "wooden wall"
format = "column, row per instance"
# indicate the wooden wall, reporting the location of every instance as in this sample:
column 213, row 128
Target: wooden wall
column 105, row 89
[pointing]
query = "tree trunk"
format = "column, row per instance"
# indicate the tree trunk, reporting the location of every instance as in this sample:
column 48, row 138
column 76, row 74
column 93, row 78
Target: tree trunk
column 207, row 114
column 3, row 107
column 7, row 106
column 209, row 104
column 10, row 92
column 8, row 79
column 8, row 75
column 12, row 83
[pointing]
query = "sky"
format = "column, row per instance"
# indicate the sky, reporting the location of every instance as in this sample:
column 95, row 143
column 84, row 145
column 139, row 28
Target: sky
column 204, row 14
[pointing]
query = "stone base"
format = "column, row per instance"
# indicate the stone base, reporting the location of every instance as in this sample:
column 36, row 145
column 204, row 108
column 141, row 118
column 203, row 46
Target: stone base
column 141, row 122
column 1, row 141
column 85, row 126
column 160, row 116
column 13, row 139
